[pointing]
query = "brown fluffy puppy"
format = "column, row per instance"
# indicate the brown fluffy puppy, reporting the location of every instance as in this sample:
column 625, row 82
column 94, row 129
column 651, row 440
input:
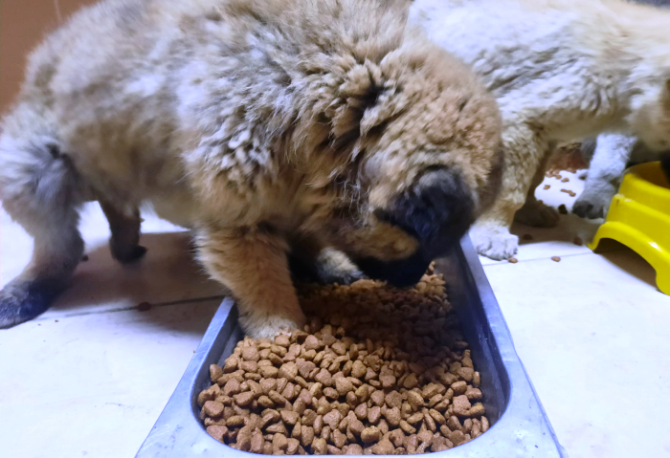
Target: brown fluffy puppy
column 268, row 127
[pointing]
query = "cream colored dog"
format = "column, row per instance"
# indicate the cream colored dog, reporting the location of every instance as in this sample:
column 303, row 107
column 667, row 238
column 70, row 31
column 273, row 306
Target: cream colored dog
column 560, row 70
column 270, row 127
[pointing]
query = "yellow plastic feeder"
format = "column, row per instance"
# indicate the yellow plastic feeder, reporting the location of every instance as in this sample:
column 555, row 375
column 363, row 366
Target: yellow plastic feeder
column 639, row 217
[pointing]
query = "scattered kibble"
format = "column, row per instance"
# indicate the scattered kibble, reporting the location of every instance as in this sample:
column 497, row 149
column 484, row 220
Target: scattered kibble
column 556, row 258
column 376, row 371
column 547, row 187
column 569, row 192
column 512, row 260
column 143, row 306
column 565, row 180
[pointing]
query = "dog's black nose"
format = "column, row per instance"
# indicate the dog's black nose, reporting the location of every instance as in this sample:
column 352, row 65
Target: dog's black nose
column 437, row 210
column 400, row 273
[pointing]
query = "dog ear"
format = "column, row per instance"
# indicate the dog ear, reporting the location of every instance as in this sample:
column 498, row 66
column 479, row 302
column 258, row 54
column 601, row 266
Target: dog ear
column 437, row 209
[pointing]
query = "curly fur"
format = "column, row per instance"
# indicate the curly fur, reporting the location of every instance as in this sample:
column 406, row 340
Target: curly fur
column 269, row 127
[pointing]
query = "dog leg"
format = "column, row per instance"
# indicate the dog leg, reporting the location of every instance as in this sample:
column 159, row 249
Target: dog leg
column 524, row 153
column 125, row 228
column 612, row 153
column 40, row 190
column 252, row 263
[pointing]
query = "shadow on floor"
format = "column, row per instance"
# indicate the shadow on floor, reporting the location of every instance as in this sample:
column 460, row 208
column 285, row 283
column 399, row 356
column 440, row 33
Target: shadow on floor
column 168, row 273
column 627, row 260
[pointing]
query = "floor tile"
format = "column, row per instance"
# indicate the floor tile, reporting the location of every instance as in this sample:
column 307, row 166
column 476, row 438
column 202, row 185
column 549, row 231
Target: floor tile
column 166, row 274
column 93, row 385
column 592, row 332
column 91, row 376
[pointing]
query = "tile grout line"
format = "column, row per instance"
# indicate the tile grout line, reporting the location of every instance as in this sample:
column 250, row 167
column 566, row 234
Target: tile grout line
column 134, row 307
column 539, row 259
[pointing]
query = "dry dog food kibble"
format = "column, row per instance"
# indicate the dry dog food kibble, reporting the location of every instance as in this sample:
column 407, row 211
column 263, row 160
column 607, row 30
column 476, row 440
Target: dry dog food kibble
column 569, row 192
column 376, row 371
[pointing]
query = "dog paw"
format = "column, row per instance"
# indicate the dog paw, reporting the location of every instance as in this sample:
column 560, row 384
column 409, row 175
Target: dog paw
column 127, row 254
column 344, row 273
column 271, row 327
column 331, row 266
column 591, row 207
column 22, row 301
column 496, row 244
column 537, row 214
column 342, row 277
column 595, row 200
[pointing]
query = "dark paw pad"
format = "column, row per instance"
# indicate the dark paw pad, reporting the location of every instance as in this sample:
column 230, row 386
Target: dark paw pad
column 585, row 209
column 23, row 301
column 128, row 255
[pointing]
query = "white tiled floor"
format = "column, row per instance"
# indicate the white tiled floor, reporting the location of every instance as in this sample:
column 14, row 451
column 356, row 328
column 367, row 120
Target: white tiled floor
column 90, row 376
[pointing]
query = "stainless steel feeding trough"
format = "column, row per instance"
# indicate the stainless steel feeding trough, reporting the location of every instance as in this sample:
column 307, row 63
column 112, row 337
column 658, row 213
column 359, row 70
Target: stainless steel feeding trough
column 519, row 426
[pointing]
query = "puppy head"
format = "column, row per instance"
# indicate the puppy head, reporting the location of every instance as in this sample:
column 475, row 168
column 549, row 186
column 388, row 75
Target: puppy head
column 396, row 238
column 429, row 137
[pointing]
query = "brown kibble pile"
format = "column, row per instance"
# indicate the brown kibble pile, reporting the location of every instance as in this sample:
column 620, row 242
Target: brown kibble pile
column 376, row 371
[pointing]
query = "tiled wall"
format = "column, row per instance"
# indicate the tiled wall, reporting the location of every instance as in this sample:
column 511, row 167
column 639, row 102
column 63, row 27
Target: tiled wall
column 23, row 23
